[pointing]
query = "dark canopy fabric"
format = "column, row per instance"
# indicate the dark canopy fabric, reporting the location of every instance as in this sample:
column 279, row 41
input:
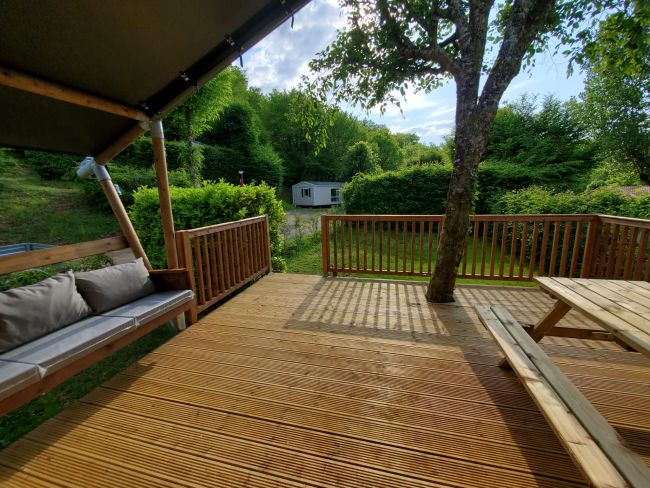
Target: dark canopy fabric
column 145, row 53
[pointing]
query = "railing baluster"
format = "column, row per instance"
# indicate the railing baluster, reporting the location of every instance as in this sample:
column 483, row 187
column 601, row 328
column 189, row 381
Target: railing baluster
column 335, row 247
column 620, row 256
column 556, row 240
column 199, row 270
column 533, row 250
column 522, row 250
column 577, row 241
column 421, row 242
column 513, row 248
column 356, row 225
column 388, row 239
column 412, row 246
column 404, row 233
column 475, row 233
column 365, row 245
column 372, row 254
column 429, row 245
column 565, row 248
column 493, row 249
column 397, row 246
column 206, row 264
column 611, row 254
column 484, row 247
column 504, row 244
column 350, row 245
column 630, row 254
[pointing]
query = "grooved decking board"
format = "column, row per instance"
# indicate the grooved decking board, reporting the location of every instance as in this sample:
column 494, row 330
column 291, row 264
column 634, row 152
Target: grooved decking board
column 305, row 381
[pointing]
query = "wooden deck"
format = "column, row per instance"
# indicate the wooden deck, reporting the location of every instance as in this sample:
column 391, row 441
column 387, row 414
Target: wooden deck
column 305, row 381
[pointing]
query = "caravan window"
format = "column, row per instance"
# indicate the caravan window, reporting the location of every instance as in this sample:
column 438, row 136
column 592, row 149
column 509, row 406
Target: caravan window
column 306, row 192
column 336, row 195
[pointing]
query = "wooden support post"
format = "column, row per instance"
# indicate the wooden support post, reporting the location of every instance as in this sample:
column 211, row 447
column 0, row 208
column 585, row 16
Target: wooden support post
column 123, row 219
column 120, row 144
column 160, row 163
column 325, row 243
column 268, row 243
column 31, row 84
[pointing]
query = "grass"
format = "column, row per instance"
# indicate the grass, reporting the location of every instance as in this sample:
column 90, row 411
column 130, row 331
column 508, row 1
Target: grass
column 48, row 212
column 303, row 255
column 17, row 423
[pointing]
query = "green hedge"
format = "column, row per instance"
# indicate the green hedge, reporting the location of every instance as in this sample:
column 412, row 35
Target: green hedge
column 412, row 190
column 213, row 203
column 538, row 200
column 129, row 179
column 52, row 166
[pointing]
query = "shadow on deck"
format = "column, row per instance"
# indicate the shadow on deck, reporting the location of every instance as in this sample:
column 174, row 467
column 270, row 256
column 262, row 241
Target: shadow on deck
column 306, row 381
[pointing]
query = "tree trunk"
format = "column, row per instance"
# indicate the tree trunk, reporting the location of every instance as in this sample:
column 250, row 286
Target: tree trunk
column 191, row 164
column 470, row 140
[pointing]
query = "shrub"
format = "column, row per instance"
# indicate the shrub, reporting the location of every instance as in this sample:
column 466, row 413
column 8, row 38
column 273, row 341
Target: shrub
column 538, row 200
column 129, row 179
column 412, row 190
column 9, row 165
column 52, row 166
column 212, row 203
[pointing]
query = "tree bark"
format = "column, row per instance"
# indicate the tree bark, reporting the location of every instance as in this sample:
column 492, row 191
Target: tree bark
column 191, row 164
column 472, row 130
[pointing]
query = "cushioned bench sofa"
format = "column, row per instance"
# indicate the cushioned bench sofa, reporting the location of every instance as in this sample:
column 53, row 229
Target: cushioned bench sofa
column 113, row 319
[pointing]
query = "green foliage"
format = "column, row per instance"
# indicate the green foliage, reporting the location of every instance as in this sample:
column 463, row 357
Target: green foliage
column 235, row 129
column 261, row 165
column 212, row 203
column 52, row 166
column 613, row 173
column 359, row 158
column 140, row 154
column 389, row 154
column 129, row 179
column 538, row 200
column 9, row 165
column 414, row 190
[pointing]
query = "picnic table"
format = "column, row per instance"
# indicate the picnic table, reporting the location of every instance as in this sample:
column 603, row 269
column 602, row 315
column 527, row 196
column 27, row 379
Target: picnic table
column 621, row 307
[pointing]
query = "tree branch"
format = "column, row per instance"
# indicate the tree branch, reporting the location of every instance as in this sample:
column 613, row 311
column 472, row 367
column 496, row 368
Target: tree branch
column 527, row 19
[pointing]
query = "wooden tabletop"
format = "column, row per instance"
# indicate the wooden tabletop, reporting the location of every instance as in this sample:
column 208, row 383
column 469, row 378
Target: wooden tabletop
column 622, row 307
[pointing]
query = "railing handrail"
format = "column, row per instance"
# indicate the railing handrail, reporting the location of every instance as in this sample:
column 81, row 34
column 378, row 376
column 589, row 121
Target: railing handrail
column 615, row 219
column 211, row 229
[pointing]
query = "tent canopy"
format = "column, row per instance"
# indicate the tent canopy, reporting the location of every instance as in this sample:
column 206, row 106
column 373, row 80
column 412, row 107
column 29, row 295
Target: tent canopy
column 144, row 54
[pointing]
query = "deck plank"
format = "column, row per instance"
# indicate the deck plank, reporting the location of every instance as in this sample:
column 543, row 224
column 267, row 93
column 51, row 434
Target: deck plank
column 305, row 381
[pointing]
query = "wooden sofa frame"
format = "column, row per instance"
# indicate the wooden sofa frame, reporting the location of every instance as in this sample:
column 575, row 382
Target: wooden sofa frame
column 600, row 454
column 174, row 279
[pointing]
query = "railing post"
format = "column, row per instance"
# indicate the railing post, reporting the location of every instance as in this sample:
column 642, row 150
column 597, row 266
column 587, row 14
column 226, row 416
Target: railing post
column 268, row 243
column 325, row 243
column 184, row 251
column 591, row 246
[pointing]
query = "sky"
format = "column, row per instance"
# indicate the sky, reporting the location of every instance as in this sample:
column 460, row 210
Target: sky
column 281, row 59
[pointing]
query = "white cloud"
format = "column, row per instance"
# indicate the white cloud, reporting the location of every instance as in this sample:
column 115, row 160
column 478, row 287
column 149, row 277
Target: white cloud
column 280, row 59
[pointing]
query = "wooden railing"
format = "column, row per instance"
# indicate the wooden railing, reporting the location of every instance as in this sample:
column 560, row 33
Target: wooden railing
column 224, row 257
column 499, row 247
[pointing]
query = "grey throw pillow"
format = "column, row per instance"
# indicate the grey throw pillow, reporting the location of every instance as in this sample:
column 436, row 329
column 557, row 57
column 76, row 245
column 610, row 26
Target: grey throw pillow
column 107, row 288
column 29, row 312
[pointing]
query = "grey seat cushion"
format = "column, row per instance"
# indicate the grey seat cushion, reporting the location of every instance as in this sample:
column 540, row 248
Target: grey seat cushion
column 107, row 288
column 16, row 376
column 148, row 308
column 52, row 352
column 29, row 312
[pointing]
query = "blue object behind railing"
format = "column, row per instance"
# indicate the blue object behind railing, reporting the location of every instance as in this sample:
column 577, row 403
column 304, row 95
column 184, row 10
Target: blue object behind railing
column 22, row 247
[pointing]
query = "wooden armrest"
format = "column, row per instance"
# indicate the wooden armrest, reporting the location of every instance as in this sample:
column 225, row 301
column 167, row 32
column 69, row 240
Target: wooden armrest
column 171, row 279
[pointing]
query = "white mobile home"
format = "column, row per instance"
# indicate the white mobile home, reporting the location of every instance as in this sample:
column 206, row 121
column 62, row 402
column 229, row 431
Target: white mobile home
column 316, row 193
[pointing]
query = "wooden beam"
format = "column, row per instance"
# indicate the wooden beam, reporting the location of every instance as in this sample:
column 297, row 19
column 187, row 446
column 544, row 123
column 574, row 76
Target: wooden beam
column 31, row 84
column 124, row 221
column 59, row 254
column 166, row 215
column 120, row 144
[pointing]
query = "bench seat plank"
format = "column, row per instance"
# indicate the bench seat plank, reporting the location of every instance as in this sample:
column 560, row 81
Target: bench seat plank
column 593, row 444
column 16, row 376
